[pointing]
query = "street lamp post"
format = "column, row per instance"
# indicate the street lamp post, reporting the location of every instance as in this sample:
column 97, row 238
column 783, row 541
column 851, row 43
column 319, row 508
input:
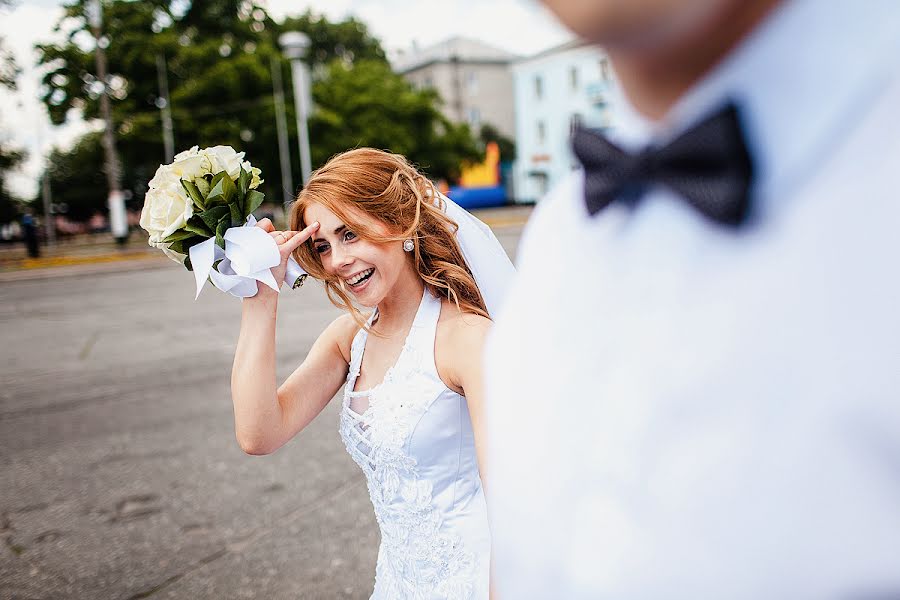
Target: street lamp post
column 116, row 199
column 295, row 46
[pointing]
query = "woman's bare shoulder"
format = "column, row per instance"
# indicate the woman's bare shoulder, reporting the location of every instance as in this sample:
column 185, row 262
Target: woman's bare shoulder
column 458, row 329
column 458, row 342
column 341, row 332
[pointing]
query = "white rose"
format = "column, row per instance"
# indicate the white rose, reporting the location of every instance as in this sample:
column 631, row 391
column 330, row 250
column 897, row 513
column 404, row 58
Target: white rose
column 192, row 151
column 224, row 158
column 191, row 167
column 254, row 174
column 166, row 208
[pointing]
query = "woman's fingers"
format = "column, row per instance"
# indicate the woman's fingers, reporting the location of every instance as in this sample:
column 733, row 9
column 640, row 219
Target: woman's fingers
column 288, row 241
column 266, row 225
column 301, row 236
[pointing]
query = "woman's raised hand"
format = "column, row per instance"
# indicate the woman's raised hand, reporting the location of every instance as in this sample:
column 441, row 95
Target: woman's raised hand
column 287, row 242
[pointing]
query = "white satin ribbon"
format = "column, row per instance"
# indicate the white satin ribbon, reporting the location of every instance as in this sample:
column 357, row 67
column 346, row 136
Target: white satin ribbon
column 248, row 258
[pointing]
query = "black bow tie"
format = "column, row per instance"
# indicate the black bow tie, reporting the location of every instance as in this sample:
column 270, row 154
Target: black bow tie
column 708, row 165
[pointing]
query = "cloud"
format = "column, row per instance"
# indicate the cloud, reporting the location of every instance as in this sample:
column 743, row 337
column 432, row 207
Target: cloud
column 521, row 26
column 24, row 122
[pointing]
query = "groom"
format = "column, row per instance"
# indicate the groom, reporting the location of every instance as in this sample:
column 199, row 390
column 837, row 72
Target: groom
column 694, row 389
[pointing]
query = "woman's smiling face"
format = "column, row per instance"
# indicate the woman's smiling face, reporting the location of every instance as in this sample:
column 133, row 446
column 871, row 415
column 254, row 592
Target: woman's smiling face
column 367, row 270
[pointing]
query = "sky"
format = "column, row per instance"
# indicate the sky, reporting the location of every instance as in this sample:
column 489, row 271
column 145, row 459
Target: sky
column 521, row 26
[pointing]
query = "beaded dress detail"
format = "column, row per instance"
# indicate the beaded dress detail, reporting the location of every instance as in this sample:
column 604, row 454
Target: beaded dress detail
column 413, row 439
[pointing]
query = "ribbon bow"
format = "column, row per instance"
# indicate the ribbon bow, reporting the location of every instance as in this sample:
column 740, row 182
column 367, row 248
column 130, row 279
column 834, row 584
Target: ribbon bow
column 249, row 255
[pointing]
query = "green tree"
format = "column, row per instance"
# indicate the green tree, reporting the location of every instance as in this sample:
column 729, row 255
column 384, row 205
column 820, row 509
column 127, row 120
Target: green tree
column 9, row 70
column 507, row 147
column 346, row 40
column 219, row 57
column 367, row 104
column 9, row 205
column 9, row 157
column 75, row 179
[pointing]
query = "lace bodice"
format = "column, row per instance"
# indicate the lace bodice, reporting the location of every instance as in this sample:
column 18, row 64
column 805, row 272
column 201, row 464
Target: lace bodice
column 413, row 440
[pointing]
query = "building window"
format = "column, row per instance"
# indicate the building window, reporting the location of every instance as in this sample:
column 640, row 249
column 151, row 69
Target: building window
column 573, row 78
column 605, row 74
column 538, row 87
column 575, row 122
column 472, row 82
column 474, row 117
column 540, row 183
column 541, row 132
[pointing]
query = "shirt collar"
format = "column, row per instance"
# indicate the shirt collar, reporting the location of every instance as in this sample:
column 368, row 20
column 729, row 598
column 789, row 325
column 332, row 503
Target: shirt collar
column 801, row 75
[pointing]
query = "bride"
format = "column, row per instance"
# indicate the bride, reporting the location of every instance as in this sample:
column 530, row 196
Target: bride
column 379, row 235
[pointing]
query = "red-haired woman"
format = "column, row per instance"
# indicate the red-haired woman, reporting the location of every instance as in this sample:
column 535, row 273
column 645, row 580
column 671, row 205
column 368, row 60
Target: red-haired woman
column 379, row 236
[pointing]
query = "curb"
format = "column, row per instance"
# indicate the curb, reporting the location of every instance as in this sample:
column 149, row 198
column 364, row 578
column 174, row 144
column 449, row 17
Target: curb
column 75, row 265
column 96, row 266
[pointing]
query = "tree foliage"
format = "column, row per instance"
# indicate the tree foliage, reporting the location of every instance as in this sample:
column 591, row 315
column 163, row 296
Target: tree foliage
column 9, row 205
column 9, row 70
column 77, row 182
column 9, row 157
column 219, row 57
column 366, row 104
column 507, row 147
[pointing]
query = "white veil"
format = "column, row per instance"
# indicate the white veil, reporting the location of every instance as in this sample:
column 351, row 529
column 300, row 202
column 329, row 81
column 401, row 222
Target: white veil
column 486, row 258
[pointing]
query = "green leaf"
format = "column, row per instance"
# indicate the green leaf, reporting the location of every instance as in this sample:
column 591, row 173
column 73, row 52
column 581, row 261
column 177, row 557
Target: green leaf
column 221, row 228
column 181, row 234
column 196, row 225
column 183, row 246
column 212, row 216
column 187, row 263
column 216, row 195
column 237, row 218
column 194, row 194
column 222, row 190
column 253, row 201
column 244, row 182
column 202, row 185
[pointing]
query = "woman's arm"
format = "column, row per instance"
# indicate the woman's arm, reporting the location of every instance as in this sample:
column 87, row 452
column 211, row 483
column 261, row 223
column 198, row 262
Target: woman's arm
column 466, row 344
column 265, row 417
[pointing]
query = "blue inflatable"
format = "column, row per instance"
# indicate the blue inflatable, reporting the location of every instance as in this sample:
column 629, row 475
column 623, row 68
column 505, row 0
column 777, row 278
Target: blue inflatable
column 480, row 197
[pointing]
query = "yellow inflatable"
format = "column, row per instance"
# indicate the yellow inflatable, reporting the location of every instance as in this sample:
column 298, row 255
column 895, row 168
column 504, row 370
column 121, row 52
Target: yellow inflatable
column 485, row 174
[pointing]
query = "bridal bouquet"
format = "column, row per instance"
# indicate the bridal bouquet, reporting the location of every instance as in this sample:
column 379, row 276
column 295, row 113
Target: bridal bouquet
column 199, row 212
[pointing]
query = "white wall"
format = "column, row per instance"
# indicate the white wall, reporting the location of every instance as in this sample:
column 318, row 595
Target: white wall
column 483, row 87
column 543, row 160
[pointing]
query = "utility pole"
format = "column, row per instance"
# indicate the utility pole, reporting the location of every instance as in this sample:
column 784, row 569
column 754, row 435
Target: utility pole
column 165, row 110
column 115, row 199
column 49, row 224
column 49, row 219
column 295, row 45
column 287, row 182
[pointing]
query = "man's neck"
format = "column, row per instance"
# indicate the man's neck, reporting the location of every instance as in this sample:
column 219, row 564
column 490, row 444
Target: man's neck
column 655, row 76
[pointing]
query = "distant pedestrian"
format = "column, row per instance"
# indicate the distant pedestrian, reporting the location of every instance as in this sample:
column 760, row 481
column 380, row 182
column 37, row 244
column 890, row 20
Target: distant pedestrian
column 30, row 235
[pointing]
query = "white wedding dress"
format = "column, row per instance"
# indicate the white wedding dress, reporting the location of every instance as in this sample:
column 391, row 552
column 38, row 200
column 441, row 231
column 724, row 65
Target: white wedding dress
column 413, row 439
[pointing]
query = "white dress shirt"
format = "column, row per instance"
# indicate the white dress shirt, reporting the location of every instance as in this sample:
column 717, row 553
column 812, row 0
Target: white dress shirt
column 678, row 410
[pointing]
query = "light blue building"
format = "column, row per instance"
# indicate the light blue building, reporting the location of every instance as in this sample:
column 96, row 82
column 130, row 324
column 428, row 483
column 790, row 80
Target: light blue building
column 553, row 91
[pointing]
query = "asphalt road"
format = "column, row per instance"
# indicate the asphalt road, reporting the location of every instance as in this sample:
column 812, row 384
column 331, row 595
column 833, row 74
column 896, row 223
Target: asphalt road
column 120, row 476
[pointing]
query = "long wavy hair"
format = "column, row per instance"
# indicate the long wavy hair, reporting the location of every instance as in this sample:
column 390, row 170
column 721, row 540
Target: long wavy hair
column 388, row 188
